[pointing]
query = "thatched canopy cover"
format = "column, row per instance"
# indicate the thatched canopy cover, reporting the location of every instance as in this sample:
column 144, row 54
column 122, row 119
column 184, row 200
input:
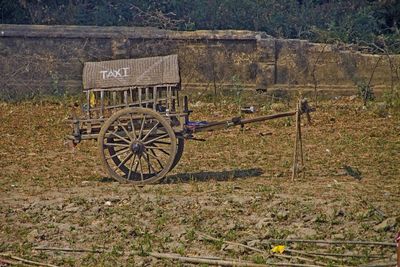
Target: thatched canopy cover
column 142, row 72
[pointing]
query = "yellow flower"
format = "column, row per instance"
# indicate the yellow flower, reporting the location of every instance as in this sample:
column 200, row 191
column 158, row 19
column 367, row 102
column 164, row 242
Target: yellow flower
column 278, row 249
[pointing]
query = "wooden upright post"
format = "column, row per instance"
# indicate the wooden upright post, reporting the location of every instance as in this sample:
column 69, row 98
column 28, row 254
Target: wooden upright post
column 298, row 144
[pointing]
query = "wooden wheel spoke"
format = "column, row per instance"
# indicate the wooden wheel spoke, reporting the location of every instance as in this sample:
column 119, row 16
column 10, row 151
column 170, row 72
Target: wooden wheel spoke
column 159, row 148
column 116, row 144
column 127, row 133
column 141, row 168
column 117, row 153
column 123, row 162
column 133, row 127
column 153, row 147
column 141, row 128
column 149, row 164
column 120, row 137
column 161, row 142
column 149, row 132
column 155, row 139
column 123, row 148
column 155, row 156
column 162, row 128
column 131, row 166
column 137, row 165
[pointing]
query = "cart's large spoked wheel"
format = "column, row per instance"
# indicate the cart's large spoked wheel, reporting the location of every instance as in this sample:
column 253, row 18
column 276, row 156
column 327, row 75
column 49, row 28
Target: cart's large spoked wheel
column 137, row 145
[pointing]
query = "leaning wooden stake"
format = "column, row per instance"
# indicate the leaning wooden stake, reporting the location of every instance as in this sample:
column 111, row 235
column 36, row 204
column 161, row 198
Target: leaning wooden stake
column 301, row 143
column 298, row 144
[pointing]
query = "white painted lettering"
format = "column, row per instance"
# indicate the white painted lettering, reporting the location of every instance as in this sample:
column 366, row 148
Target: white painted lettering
column 125, row 72
column 117, row 73
column 107, row 74
column 110, row 74
column 104, row 74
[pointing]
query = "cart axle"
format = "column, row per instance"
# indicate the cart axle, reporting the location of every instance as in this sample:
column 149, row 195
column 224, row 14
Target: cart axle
column 137, row 148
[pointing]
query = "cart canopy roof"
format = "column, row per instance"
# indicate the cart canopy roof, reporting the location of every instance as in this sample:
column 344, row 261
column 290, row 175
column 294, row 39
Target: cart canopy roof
column 142, row 72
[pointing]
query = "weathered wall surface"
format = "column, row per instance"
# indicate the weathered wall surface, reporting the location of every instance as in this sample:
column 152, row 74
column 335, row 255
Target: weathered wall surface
column 49, row 59
column 301, row 64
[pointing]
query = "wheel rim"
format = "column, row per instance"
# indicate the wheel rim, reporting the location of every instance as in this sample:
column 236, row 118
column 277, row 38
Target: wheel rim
column 180, row 145
column 137, row 145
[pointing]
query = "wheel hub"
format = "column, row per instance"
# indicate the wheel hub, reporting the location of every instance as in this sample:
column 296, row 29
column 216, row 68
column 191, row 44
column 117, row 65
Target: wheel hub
column 137, row 148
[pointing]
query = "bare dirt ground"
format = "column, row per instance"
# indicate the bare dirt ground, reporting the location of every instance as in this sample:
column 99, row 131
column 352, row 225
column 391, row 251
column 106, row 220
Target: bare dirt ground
column 236, row 186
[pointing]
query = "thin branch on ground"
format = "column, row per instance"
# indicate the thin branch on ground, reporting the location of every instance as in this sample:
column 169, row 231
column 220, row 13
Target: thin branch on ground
column 190, row 259
column 381, row 264
column 222, row 262
column 27, row 261
column 71, row 249
column 9, row 262
column 334, row 242
column 339, row 255
column 262, row 251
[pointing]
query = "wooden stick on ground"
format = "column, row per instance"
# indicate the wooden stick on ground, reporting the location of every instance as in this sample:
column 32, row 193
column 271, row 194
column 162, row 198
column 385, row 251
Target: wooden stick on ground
column 222, row 262
column 231, row 243
column 71, row 249
column 204, row 260
column 339, row 255
column 334, row 242
column 382, row 264
column 262, row 251
column 334, row 256
column 293, row 251
column 27, row 261
column 9, row 262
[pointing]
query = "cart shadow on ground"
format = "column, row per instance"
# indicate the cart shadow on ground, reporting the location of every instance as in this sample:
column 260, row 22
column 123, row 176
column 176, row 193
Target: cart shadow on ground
column 204, row 176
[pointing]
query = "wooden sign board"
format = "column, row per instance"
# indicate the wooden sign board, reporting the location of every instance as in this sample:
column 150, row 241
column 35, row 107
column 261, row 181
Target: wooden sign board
column 142, row 72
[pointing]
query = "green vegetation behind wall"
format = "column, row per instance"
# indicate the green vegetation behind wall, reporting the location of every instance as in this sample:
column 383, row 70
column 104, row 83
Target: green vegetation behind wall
column 365, row 22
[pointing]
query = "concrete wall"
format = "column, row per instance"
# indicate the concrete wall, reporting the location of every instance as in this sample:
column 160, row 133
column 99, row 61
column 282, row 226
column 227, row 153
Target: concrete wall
column 40, row 59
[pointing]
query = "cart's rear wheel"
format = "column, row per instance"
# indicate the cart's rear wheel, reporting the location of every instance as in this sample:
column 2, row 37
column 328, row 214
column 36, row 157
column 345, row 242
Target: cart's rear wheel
column 137, row 145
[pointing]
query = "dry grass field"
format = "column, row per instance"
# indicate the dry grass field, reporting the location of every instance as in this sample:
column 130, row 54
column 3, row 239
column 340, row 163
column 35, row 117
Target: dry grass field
column 236, row 187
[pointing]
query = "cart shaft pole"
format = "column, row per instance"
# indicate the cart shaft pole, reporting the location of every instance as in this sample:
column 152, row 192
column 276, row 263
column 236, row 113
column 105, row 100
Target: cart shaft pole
column 238, row 121
column 268, row 117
